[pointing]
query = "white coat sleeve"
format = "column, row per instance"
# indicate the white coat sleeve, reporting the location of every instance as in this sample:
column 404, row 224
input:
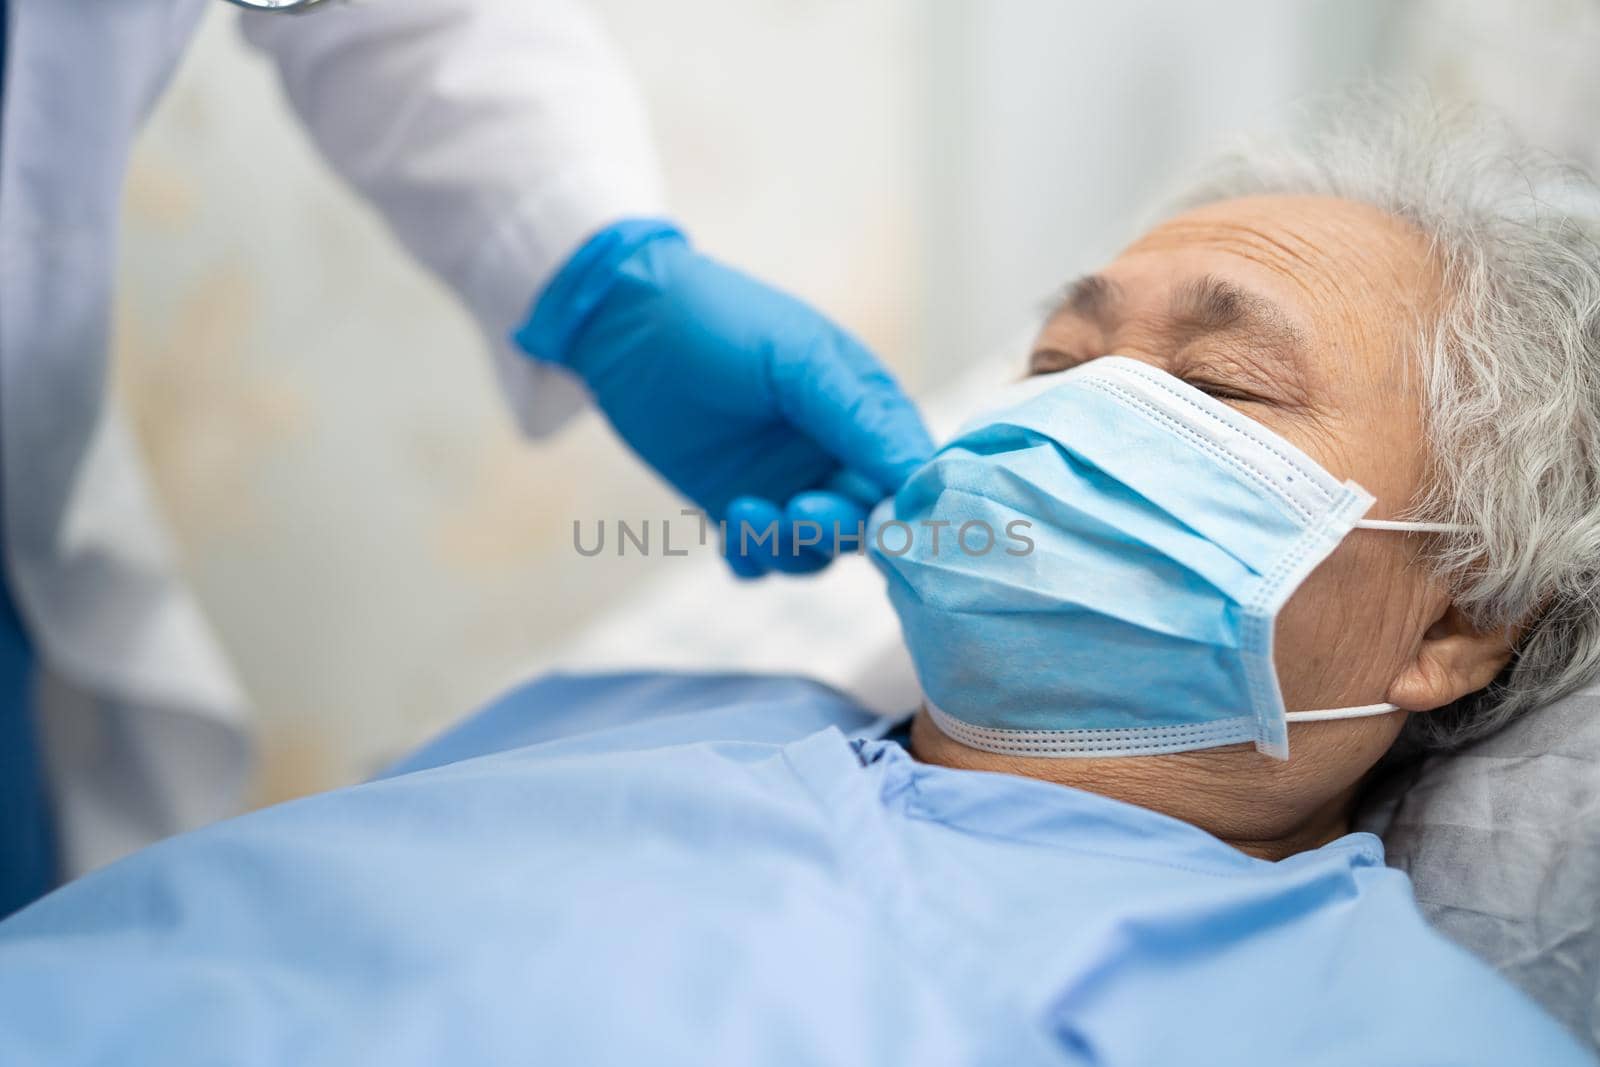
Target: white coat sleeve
column 494, row 135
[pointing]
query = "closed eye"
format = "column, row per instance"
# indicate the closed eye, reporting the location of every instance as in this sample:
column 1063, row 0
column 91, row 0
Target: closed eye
column 1051, row 360
column 1222, row 392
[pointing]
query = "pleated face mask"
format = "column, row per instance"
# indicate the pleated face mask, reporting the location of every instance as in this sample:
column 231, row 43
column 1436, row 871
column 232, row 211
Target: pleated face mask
column 1095, row 569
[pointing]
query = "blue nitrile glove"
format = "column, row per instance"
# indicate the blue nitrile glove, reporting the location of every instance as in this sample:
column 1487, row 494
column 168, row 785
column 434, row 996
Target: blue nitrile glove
column 753, row 405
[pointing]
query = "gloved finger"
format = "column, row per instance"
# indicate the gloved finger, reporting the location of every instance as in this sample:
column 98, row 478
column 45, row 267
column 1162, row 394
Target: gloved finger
column 838, row 395
column 762, row 540
column 747, row 548
column 854, row 487
column 827, row 524
column 797, row 547
column 742, row 568
column 797, row 552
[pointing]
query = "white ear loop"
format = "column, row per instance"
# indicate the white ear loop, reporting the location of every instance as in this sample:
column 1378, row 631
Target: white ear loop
column 1411, row 527
column 1363, row 711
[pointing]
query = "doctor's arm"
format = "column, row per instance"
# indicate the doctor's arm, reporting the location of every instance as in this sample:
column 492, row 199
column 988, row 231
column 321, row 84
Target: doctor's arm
column 505, row 144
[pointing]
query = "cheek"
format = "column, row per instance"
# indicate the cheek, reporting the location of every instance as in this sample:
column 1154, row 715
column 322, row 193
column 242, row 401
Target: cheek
column 1346, row 632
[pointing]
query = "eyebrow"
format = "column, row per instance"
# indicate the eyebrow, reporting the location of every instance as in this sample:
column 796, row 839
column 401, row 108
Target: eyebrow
column 1210, row 304
column 1093, row 297
column 1204, row 305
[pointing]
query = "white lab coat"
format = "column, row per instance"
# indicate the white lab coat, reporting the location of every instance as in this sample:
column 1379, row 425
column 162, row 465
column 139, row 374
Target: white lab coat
column 493, row 134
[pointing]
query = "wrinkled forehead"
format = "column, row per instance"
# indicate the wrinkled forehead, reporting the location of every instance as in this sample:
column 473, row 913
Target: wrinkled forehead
column 1305, row 313
column 1329, row 289
column 1329, row 264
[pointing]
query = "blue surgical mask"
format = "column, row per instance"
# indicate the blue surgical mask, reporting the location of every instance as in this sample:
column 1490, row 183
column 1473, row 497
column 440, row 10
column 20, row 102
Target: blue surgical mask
column 1095, row 568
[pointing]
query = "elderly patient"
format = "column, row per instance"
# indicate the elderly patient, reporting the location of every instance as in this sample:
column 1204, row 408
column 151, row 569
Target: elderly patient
column 1430, row 335
column 1118, row 831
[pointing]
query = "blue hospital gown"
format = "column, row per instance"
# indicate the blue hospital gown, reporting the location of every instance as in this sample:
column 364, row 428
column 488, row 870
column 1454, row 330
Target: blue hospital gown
column 658, row 869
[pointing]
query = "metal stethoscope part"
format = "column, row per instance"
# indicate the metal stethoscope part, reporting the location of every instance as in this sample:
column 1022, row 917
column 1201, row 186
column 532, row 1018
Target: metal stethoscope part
column 291, row 7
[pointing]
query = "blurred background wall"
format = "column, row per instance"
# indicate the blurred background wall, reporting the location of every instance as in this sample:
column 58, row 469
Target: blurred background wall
column 380, row 551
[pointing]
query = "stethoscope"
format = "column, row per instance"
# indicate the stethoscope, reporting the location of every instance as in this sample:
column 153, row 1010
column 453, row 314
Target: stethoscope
column 290, row 7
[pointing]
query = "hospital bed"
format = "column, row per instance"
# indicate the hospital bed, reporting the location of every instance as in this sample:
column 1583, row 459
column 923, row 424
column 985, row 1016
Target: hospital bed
column 1502, row 839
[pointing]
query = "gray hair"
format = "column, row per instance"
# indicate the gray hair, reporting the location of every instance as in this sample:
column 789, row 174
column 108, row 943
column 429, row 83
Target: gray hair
column 1509, row 368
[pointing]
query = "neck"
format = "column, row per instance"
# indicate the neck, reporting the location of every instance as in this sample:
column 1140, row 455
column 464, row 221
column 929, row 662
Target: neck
column 1235, row 794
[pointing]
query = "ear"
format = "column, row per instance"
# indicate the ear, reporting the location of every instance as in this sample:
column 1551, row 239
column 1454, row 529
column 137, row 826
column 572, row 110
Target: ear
column 1454, row 659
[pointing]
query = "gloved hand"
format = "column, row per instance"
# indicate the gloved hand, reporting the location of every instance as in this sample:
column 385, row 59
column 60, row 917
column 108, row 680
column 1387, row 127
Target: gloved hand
column 753, row 405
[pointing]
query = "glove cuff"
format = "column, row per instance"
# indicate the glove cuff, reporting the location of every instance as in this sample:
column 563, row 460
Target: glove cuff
column 570, row 299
